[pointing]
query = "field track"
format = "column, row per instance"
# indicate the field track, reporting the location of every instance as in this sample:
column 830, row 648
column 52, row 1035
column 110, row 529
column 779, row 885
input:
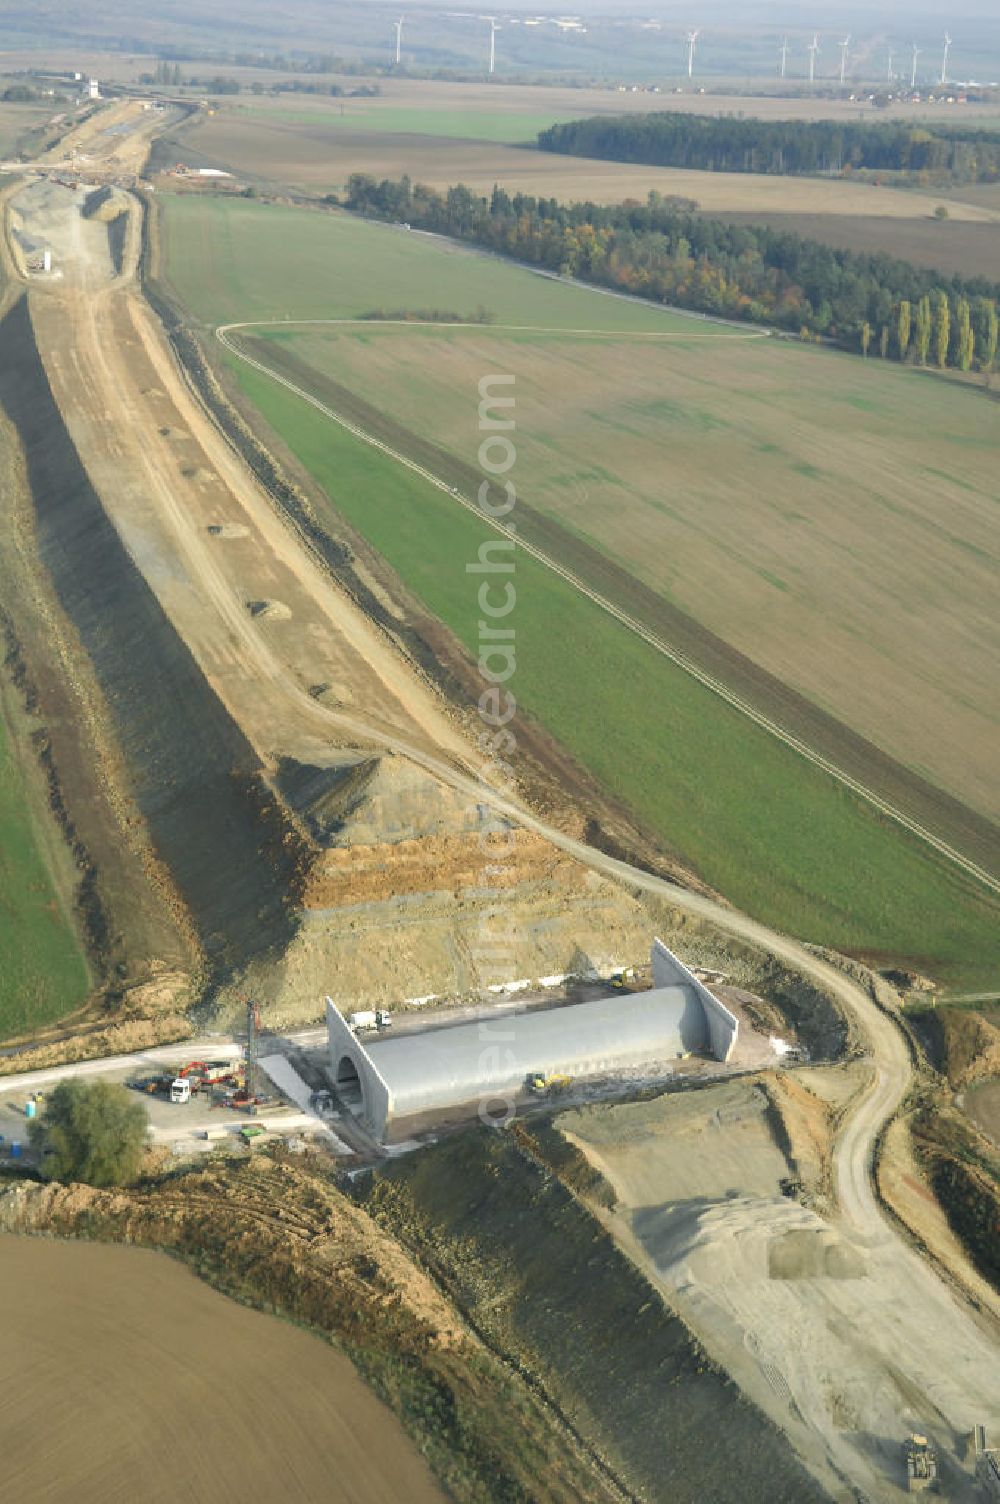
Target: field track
column 921, row 806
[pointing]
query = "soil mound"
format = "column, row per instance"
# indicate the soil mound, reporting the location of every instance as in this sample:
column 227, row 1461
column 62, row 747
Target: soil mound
column 105, row 204
column 229, row 530
column 269, row 611
column 371, row 800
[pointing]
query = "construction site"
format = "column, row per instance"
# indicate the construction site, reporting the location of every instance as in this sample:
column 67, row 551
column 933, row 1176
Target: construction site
column 627, row 1186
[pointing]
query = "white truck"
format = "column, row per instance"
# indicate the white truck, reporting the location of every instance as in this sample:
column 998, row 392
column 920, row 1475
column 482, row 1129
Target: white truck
column 369, row 1019
column 180, row 1090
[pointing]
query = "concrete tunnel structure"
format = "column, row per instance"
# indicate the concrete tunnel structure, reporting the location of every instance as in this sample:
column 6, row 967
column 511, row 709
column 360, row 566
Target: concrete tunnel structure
column 456, row 1068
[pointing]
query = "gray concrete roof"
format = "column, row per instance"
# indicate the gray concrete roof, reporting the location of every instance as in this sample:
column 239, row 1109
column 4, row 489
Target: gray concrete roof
column 453, row 1066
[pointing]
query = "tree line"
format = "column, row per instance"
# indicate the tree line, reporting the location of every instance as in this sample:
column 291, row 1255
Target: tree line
column 728, row 144
column 664, row 251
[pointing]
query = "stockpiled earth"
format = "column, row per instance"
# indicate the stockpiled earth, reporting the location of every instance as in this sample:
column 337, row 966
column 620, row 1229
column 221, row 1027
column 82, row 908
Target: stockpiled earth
column 751, row 816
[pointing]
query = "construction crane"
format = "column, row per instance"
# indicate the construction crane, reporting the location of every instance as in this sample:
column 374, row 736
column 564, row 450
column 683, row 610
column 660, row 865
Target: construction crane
column 250, row 1054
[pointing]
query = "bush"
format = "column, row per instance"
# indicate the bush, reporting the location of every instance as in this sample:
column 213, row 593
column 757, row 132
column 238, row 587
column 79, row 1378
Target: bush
column 91, row 1131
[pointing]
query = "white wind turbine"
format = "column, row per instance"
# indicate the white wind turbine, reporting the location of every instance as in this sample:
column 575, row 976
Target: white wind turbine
column 399, row 37
column 692, row 37
column 812, row 49
column 783, row 55
column 843, row 56
column 944, row 59
column 888, row 71
column 913, row 68
column 494, row 28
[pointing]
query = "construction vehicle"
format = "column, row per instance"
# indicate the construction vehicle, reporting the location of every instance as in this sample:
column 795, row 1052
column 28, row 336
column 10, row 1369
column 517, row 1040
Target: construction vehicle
column 921, row 1464
column 370, row 1018
column 553, row 1081
column 153, row 1086
column 180, row 1090
column 207, row 1072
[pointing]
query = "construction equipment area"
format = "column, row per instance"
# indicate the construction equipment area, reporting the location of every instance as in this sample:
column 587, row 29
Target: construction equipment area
column 225, row 1083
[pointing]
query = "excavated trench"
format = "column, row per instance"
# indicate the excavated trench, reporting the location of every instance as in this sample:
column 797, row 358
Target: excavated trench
column 212, row 820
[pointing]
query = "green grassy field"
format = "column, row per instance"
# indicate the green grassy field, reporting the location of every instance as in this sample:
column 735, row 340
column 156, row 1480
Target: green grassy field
column 16, row 120
column 767, row 829
column 232, row 259
column 42, row 971
column 512, row 126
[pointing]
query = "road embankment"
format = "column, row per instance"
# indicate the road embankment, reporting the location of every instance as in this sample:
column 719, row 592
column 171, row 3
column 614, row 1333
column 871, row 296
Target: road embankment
column 212, row 841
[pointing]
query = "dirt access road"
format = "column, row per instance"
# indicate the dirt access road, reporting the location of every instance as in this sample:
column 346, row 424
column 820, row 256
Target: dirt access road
column 165, row 477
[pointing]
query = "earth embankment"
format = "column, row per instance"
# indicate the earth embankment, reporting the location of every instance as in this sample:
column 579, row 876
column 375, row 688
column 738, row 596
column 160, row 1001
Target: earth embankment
column 193, row 778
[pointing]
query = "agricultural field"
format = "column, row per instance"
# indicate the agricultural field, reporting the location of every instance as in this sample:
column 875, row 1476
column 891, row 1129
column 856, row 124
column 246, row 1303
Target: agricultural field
column 749, row 814
column 956, row 247
column 43, row 975
column 311, row 145
column 229, row 260
column 110, row 1356
column 16, row 120
column 795, row 503
column 441, row 120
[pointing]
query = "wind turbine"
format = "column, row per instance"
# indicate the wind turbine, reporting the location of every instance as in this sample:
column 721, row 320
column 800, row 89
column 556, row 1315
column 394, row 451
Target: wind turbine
column 399, row 37
column 843, row 56
column 692, row 37
column 783, row 54
column 494, row 28
column 944, row 59
column 888, row 71
column 913, row 71
column 812, row 49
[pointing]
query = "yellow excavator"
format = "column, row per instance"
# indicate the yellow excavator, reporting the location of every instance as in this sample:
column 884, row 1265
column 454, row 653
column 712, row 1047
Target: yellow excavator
column 553, row 1081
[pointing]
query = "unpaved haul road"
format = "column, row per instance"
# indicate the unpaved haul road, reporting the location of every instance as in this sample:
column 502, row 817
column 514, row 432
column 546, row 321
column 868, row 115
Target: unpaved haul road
column 139, row 445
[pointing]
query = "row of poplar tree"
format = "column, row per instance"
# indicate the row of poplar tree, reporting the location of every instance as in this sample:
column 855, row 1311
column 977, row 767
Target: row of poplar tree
column 941, row 331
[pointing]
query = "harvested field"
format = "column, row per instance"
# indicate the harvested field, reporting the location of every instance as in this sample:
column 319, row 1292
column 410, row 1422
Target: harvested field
column 957, row 247
column 412, row 103
column 830, row 484
column 118, row 1365
column 280, row 1237
column 320, row 155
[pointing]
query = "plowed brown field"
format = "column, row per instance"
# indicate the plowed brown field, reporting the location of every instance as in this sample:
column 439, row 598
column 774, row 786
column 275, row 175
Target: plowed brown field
column 123, row 1377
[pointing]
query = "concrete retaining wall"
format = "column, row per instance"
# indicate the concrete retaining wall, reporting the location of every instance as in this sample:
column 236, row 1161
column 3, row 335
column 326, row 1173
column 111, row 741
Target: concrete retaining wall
column 723, row 1026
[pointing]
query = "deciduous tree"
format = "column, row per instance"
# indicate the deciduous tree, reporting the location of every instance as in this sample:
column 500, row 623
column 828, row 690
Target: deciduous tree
column 92, row 1131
